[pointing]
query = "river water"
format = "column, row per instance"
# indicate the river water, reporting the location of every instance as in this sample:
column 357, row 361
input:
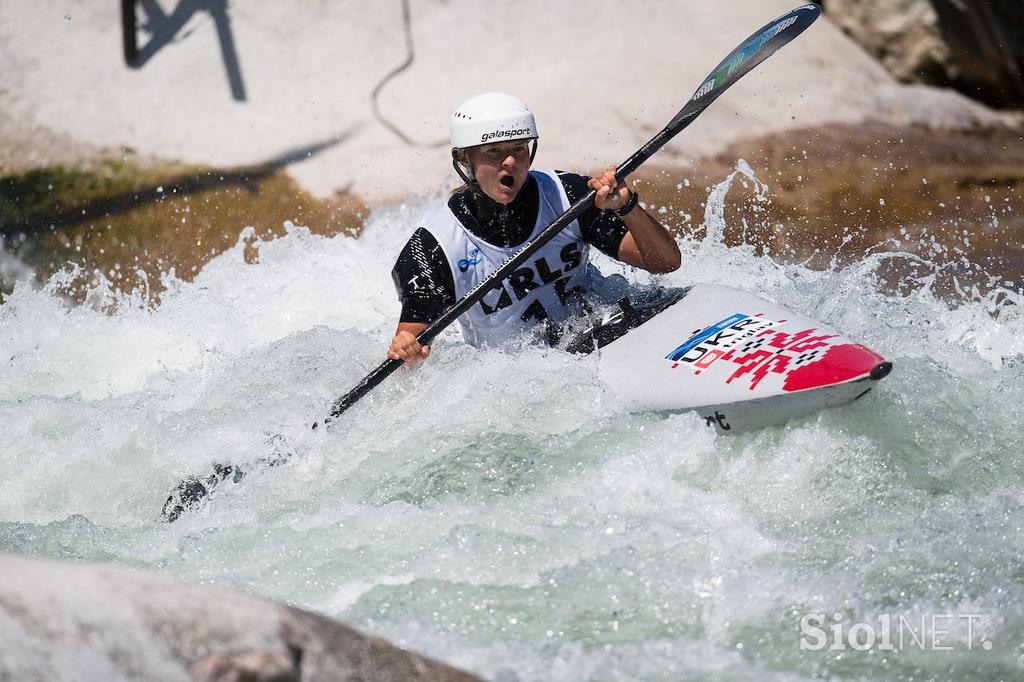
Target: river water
column 501, row 511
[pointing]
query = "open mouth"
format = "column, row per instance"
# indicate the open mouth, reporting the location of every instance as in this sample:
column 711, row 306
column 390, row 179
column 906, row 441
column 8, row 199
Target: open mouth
column 508, row 181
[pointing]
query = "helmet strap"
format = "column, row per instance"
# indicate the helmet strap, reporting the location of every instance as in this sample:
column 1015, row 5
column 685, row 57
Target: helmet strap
column 458, row 168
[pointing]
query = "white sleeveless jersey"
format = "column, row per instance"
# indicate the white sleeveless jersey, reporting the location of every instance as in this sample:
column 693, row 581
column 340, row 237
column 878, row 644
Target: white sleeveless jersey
column 538, row 290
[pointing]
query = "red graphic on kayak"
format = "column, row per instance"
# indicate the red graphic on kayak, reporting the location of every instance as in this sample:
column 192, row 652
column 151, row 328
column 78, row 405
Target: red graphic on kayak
column 841, row 363
column 804, row 359
column 775, row 352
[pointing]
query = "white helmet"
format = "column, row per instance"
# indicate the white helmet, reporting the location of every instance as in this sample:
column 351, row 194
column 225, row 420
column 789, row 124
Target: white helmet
column 492, row 117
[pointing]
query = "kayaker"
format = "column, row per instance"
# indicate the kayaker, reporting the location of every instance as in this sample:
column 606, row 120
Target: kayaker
column 502, row 205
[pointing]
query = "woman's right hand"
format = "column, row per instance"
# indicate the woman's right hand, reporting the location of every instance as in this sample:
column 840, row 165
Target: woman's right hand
column 405, row 347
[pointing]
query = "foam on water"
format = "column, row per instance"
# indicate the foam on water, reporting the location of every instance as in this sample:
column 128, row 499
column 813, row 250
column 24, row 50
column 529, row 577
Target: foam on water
column 501, row 511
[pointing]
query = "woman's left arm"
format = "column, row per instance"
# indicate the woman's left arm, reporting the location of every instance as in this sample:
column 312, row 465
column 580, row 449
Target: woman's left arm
column 648, row 244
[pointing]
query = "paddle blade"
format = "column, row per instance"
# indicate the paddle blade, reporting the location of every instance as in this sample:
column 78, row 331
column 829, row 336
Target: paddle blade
column 749, row 54
column 191, row 493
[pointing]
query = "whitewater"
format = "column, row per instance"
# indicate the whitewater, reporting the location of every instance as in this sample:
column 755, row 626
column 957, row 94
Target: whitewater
column 501, row 511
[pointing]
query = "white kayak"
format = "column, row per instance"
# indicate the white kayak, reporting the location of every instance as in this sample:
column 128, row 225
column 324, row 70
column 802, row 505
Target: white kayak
column 736, row 359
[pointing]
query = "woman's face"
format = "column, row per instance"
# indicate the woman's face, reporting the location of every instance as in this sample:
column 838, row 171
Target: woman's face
column 500, row 168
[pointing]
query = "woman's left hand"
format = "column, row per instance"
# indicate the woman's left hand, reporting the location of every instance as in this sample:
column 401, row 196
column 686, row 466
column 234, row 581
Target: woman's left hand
column 611, row 193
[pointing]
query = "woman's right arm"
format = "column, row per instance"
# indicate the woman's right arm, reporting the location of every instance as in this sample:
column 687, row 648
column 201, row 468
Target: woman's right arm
column 425, row 288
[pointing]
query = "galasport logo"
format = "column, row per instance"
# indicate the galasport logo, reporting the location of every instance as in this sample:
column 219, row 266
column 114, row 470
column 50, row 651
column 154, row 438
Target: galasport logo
column 518, row 132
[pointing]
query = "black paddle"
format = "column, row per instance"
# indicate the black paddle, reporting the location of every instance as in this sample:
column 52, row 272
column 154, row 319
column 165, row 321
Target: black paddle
column 192, row 491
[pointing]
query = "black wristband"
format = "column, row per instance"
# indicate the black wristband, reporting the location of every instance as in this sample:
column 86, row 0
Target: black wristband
column 629, row 205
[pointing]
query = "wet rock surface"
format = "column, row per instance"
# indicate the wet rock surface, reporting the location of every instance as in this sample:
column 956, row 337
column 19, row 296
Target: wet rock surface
column 68, row 621
column 973, row 46
column 904, row 35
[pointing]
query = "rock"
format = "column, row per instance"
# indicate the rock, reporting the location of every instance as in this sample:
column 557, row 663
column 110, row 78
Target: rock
column 970, row 45
column 70, row 621
column 987, row 44
column 903, row 34
column 250, row 666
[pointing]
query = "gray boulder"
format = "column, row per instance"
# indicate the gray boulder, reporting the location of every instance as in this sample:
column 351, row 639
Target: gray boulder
column 975, row 46
column 71, row 621
column 904, row 35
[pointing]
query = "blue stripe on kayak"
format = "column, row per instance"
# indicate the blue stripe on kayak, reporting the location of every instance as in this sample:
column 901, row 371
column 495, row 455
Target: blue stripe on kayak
column 697, row 338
